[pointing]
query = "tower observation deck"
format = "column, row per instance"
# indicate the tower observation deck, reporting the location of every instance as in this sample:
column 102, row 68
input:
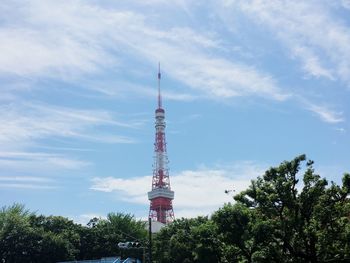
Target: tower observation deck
column 161, row 196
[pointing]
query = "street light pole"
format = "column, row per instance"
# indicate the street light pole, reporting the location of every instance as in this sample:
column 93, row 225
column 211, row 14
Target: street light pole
column 150, row 239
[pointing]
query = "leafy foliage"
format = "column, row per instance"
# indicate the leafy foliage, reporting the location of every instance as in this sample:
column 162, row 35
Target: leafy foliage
column 310, row 226
column 290, row 214
column 26, row 237
column 187, row 240
column 274, row 220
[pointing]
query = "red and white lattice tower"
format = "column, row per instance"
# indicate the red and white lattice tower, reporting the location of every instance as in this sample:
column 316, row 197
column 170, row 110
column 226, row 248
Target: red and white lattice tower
column 161, row 196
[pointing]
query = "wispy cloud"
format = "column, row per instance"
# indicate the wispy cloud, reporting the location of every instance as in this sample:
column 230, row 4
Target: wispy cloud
column 26, row 182
column 326, row 114
column 124, row 89
column 45, row 39
column 312, row 33
column 25, row 179
column 24, row 126
column 220, row 78
column 25, row 122
column 187, row 61
column 26, row 186
column 312, row 63
column 62, row 39
column 340, row 129
column 197, row 192
column 346, row 3
column 38, row 161
column 65, row 40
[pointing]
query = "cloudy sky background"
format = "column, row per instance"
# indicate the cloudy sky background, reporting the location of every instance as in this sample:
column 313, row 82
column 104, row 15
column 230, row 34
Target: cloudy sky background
column 246, row 85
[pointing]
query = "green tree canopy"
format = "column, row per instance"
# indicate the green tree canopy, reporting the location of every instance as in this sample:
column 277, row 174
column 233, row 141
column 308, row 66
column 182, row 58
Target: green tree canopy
column 310, row 222
column 289, row 214
column 187, row 240
column 27, row 237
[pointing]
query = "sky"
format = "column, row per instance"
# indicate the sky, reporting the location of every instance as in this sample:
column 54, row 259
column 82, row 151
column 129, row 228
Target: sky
column 246, row 84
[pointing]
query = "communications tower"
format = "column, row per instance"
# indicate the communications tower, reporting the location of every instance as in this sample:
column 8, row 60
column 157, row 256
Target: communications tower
column 161, row 196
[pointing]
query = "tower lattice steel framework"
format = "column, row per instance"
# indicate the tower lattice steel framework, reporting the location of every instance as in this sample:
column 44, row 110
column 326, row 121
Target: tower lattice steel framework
column 161, row 196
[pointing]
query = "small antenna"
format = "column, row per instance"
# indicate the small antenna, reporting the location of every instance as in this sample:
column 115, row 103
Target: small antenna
column 159, row 95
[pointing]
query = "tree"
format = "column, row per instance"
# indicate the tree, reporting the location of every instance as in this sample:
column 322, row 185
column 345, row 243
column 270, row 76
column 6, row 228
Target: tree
column 26, row 237
column 245, row 236
column 60, row 239
column 187, row 240
column 207, row 245
column 101, row 236
column 310, row 226
column 274, row 220
column 17, row 239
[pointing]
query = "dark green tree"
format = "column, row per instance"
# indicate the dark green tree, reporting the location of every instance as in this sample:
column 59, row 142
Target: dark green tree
column 310, row 226
column 187, row 240
column 60, row 239
column 17, row 238
column 101, row 236
column 26, row 237
column 207, row 245
column 245, row 236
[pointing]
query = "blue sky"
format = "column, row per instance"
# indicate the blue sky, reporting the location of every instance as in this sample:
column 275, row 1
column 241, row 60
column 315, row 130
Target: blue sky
column 246, row 84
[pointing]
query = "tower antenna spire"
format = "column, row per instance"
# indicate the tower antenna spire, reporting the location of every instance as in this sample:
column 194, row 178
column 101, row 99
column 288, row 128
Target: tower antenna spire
column 159, row 95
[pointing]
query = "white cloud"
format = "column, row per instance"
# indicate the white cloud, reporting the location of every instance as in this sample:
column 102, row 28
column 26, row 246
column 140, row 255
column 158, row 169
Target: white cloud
column 220, row 78
column 25, row 179
column 123, row 89
column 27, row 52
column 23, row 122
column 346, row 3
column 197, row 192
column 187, row 61
column 312, row 63
column 45, row 39
column 24, row 125
column 26, row 182
column 38, row 162
column 326, row 114
column 136, row 187
column 26, row 186
column 309, row 26
column 339, row 129
column 66, row 38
